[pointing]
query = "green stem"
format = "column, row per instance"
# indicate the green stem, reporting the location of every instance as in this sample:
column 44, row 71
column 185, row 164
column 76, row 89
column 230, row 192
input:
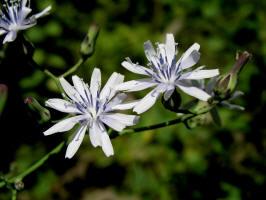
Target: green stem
column 56, row 80
column 38, row 164
column 74, row 68
column 112, row 133
column 14, row 194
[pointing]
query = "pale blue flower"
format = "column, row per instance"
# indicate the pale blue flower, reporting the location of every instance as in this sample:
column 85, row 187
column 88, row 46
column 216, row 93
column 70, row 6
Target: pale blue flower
column 15, row 17
column 93, row 109
column 166, row 73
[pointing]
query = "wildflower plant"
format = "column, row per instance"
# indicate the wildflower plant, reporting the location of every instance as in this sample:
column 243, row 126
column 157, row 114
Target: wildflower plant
column 96, row 110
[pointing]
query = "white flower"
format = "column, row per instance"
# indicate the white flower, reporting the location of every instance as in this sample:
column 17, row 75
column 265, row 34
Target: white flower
column 209, row 88
column 93, row 109
column 14, row 18
column 166, row 73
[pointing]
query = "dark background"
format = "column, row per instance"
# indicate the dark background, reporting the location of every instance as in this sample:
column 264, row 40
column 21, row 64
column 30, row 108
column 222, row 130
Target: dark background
column 208, row 162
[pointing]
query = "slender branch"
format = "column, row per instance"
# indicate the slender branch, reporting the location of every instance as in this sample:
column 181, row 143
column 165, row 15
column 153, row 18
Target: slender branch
column 35, row 166
column 112, row 133
column 74, row 68
column 56, row 80
column 14, row 194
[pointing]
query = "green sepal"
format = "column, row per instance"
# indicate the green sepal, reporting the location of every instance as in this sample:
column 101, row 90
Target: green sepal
column 173, row 102
column 42, row 113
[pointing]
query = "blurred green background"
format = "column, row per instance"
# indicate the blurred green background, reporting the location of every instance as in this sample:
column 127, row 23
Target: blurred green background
column 209, row 162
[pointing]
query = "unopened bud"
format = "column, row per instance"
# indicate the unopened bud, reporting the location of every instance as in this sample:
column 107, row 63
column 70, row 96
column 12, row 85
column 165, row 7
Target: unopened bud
column 226, row 83
column 88, row 45
column 43, row 113
column 201, row 107
column 173, row 102
column 19, row 185
column 3, row 97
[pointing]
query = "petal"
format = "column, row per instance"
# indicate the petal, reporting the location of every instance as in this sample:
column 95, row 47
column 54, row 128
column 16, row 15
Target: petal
column 168, row 94
column 148, row 101
column 43, row 13
column 194, row 47
column 80, row 86
column 198, row 83
column 2, row 31
column 190, row 57
column 125, row 106
column 150, row 52
column 107, row 146
column 23, row 3
column 95, row 85
column 117, row 100
column 65, row 125
column 136, row 85
column 112, row 123
column 211, row 84
column 76, row 141
column 10, row 36
column 194, row 91
column 110, row 88
column 128, row 120
column 69, row 90
column 170, row 47
column 200, row 74
column 62, row 106
column 99, row 137
column 95, row 134
column 135, row 68
column 24, row 12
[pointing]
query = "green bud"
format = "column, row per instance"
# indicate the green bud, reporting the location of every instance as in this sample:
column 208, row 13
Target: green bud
column 226, row 83
column 88, row 45
column 3, row 97
column 196, row 121
column 42, row 113
column 173, row 102
column 19, row 185
column 202, row 107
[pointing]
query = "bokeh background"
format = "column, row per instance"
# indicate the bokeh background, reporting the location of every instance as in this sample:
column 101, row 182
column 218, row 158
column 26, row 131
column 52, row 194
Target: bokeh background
column 208, row 162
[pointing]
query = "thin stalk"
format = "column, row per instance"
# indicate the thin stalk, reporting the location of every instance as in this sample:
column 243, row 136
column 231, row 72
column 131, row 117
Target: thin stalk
column 74, row 68
column 112, row 133
column 56, row 80
column 35, row 166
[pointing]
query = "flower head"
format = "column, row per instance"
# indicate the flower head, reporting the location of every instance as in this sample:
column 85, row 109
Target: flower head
column 14, row 17
column 94, row 109
column 166, row 73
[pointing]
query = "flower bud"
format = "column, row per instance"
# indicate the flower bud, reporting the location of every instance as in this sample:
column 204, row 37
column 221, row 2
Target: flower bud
column 3, row 97
column 226, row 83
column 88, row 45
column 19, row 185
column 43, row 113
column 173, row 102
